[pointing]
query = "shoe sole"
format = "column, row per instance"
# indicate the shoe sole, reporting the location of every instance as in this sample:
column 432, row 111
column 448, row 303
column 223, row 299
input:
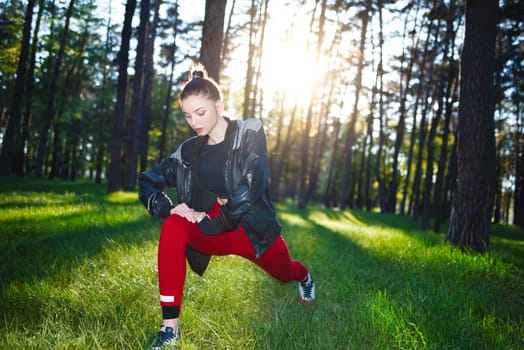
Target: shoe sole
column 305, row 302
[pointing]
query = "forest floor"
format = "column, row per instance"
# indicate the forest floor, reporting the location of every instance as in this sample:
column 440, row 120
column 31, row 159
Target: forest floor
column 78, row 271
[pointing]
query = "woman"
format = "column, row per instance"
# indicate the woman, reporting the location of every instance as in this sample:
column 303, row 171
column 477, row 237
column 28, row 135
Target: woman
column 221, row 178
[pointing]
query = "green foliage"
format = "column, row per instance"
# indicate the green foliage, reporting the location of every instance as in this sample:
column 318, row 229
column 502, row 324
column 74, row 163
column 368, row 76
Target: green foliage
column 78, row 271
column 11, row 23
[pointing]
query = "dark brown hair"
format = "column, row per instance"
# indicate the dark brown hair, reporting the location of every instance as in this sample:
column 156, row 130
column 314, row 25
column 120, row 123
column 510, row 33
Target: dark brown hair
column 201, row 84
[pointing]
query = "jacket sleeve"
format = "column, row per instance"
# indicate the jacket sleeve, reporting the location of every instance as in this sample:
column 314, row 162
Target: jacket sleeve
column 151, row 184
column 249, row 179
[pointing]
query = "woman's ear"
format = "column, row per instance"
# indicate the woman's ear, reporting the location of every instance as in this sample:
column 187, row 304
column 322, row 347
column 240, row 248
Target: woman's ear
column 219, row 106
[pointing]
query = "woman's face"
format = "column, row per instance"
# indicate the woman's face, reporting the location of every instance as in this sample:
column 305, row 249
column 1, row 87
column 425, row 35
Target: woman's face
column 201, row 113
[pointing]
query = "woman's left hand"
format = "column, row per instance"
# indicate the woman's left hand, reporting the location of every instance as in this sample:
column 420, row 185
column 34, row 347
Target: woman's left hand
column 188, row 213
column 222, row 201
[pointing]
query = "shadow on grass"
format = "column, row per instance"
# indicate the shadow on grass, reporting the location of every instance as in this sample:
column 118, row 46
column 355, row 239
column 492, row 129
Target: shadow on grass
column 40, row 247
column 373, row 299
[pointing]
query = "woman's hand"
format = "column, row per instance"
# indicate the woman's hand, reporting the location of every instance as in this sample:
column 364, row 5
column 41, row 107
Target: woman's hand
column 189, row 214
column 222, row 201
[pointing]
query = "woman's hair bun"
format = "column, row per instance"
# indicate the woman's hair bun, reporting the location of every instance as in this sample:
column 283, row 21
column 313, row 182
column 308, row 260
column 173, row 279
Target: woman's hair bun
column 197, row 74
column 198, row 71
column 200, row 84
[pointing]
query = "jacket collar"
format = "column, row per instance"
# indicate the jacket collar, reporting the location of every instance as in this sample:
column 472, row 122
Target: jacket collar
column 191, row 148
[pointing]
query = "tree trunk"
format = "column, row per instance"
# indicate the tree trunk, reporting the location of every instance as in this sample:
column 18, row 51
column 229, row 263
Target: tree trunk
column 391, row 203
column 323, row 126
column 42, row 146
column 248, row 87
column 256, row 101
column 450, row 185
column 473, row 203
column 329, row 196
column 518, row 207
column 135, row 119
column 30, row 84
column 224, row 56
column 411, row 156
column 212, row 37
column 115, row 166
column 369, row 136
column 318, row 151
column 439, row 193
column 10, row 161
column 167, row 101
column 427, row 204
column 350, row 132
column 381, row 122
column 518, row 149
column 445, row 101
column 62, row 129
column 497, row 211
column 275, row 152
column 104, row 113
column 283, row 156
column 304, row 161
column 413, row 135
column 142, row 131
column 414, row 203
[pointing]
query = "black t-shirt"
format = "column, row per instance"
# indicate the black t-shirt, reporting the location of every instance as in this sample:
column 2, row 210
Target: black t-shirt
column 211, row 168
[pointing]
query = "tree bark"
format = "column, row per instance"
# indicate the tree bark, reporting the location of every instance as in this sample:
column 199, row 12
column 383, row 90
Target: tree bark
column 30, row 87
column 350, row 133
column 227, row 35
column 142, row 131
column 282, row 158
column 212, row 37
column 413, row 135
column 248, row 86
column 10, row 161
column 42, row 146
column 369, row 136
column 423, row 131
column 329, row 194
column 381, row 136
column 103, row 110
column 449, row 75
column 518, row 150
column 135, row 119
column 167, row 101
column 115, row 166
column 473, row 202
column 391, row 203
column 304, row 161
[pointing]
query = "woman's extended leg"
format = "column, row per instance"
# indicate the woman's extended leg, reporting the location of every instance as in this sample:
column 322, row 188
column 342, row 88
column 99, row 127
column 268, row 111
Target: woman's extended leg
column 278, row 263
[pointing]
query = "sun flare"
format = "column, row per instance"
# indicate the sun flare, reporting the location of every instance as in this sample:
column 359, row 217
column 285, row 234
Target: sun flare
column 289, row 64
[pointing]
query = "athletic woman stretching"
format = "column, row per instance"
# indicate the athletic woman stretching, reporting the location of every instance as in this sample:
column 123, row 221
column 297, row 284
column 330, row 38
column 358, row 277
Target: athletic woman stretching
column 221, row 179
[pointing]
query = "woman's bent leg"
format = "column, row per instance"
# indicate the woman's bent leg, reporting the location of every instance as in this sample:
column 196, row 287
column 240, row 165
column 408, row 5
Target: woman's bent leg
column 172, row 263
column 177, row 233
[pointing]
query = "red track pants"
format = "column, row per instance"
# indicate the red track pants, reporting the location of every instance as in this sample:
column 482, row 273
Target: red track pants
column 177, row 233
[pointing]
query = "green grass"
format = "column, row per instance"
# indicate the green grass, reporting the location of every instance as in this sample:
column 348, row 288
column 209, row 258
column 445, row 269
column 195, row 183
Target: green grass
column 78, row 271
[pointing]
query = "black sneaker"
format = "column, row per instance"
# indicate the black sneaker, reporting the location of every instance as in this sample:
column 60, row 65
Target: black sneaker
column 307, row 290
column 166, row 339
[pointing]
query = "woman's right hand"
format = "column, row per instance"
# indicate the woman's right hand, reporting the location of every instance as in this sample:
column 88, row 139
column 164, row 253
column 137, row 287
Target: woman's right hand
column 189, row 214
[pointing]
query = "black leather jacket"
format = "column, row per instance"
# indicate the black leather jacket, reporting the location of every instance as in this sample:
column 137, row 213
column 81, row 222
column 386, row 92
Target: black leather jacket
column 246, row 178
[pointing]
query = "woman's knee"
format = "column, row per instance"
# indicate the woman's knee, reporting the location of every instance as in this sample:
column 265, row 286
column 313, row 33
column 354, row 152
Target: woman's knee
column 175, row 226
column 174, row 221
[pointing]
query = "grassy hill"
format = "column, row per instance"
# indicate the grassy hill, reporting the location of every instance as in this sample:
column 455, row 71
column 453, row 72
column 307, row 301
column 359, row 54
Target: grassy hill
column 78, row 271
